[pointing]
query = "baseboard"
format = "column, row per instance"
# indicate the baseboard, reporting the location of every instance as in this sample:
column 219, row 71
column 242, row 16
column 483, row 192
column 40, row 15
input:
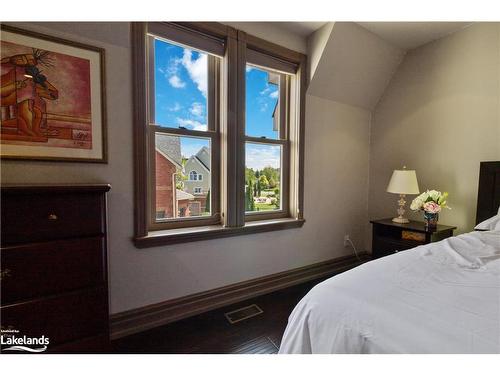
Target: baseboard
column 155, row 315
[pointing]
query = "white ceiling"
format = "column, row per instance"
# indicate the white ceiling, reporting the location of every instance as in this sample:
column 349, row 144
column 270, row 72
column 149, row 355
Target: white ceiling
column 303, row 29
column 409, row 35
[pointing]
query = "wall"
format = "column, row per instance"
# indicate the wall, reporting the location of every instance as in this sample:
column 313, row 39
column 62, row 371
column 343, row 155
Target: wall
column 316, row 44
column 440, row 116
column 272, row 32
column 335, row 193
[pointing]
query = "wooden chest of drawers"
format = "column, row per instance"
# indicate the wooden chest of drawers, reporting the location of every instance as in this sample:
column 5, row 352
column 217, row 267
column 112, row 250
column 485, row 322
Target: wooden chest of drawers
column 54, row 265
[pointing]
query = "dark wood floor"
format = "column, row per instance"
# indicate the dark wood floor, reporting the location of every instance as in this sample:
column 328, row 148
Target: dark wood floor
column 211, row 333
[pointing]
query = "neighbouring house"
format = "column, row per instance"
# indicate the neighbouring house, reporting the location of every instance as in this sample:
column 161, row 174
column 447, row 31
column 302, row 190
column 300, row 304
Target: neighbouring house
column 197, row 170
column 274, row 79
column 185, row 204
column 170, row 202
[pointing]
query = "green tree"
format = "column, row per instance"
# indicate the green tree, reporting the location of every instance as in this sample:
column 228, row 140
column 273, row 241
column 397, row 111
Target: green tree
column 271, row 174
column 264, row 182
column 249, row 174
column 249, row 202
column 179, row 181
column 207, row 204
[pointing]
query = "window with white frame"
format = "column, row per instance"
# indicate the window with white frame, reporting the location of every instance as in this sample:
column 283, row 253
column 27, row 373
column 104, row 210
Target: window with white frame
column 193, row 176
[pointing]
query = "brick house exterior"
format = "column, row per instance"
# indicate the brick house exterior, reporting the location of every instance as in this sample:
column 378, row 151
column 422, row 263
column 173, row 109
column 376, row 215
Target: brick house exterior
column 170, row 202
column 165, row 171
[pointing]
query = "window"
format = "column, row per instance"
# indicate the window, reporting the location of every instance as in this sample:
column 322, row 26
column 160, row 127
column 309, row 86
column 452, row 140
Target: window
column 218, row 133
column 182, row 92
column 266, row 143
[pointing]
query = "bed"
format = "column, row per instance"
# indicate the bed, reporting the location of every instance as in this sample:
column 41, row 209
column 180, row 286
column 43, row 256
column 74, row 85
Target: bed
column 443, row 297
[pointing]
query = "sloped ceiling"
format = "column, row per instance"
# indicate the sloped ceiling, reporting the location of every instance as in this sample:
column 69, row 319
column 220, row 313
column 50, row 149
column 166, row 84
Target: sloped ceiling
column 351, row 65
column 409, row 35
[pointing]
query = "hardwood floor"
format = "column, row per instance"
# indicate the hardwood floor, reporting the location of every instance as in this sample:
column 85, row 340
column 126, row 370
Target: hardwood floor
column 211, row 333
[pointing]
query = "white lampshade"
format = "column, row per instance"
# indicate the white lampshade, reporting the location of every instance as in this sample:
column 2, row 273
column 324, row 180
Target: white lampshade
column 403, row 181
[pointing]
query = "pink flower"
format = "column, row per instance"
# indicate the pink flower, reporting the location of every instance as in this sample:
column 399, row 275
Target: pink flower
column 432, row 207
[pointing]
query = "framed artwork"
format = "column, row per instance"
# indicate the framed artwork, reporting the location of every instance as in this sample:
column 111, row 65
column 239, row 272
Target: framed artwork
column 52, row 98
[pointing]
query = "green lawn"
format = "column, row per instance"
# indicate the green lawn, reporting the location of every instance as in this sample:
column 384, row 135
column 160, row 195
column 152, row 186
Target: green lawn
column 264, row 207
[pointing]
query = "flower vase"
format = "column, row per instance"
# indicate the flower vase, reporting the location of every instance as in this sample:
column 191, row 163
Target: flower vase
column 431, row 220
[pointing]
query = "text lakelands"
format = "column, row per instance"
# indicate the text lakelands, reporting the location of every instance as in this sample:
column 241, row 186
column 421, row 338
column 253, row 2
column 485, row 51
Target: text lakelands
column 24, row 340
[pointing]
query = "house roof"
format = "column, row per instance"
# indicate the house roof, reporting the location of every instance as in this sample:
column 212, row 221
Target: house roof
column 182, row 195
column 274, row 79
column 275, row 117
column 203, row 156
column 169, row 146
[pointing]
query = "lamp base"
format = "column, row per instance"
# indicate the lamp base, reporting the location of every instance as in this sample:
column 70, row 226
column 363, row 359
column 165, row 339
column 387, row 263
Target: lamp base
column 401, row 220
column 401, row 211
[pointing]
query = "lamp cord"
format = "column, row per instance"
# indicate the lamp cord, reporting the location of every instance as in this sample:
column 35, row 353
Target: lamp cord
column 354, row 248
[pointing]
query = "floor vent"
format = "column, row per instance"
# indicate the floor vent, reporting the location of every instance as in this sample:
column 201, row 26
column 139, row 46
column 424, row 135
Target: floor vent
column 244, row 313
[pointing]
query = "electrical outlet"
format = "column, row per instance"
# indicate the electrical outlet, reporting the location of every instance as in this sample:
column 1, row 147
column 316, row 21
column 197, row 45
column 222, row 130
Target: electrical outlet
column 346, row 240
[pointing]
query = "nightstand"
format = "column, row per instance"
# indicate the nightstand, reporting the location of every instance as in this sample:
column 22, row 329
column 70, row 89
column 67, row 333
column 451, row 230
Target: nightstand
column 389, row 237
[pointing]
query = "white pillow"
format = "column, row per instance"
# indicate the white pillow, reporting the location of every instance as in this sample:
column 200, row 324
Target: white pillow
column 493, row 223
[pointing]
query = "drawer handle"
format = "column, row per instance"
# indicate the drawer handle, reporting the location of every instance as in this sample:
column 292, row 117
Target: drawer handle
column 52, row 217
column 5, row 273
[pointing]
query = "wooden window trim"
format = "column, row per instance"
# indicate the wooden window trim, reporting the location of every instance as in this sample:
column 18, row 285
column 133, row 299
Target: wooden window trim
column 191, row 234
column 168, row 31
column 232, row 222
column 284, row 142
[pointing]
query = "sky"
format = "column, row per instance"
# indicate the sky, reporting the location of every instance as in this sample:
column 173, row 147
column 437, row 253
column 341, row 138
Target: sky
column 181, row 100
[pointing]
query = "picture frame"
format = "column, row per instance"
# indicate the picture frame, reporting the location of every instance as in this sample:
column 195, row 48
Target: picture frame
column 53, row 103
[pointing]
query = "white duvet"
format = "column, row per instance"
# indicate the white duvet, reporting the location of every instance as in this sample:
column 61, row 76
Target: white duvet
column 439, row 298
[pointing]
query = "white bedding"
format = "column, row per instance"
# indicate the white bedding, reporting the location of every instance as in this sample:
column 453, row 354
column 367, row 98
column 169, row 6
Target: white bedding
column 439, row 298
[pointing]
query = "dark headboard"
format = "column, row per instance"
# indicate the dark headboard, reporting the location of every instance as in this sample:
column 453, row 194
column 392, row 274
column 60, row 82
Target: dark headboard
column 488, row 195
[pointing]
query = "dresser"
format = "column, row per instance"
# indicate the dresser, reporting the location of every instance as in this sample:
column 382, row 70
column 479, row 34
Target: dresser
column 54, row 265
column 389, row 237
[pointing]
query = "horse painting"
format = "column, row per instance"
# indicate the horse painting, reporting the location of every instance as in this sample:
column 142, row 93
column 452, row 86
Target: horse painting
column 45, row 98
column 26, row 117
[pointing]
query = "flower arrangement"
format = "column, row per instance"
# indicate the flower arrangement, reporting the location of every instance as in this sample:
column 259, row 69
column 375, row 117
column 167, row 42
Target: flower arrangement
column 432, row 201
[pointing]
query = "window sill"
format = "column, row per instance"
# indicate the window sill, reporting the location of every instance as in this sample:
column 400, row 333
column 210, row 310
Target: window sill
column 175, row 236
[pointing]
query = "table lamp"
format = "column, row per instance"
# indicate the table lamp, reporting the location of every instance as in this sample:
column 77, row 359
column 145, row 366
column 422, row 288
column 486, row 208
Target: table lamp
column 403, row 181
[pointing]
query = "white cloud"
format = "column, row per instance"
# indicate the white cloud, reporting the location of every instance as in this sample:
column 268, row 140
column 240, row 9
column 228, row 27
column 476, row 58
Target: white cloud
column 197, row 69
column 191, row 124
column 197, row 109
column 270, row 91
column 249, row 68
column 176, row 82
column 171, row 69
column 258, row 157
column 266, row 90
column 175, row 108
